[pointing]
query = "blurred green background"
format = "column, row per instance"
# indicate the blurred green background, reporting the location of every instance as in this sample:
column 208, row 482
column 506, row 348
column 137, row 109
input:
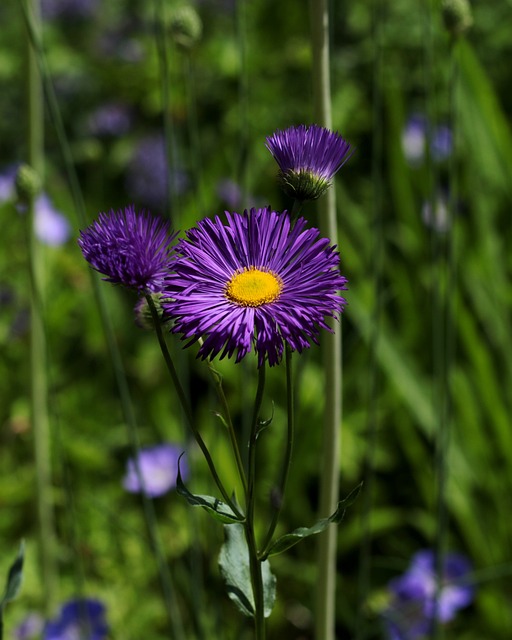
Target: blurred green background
column 424, row 242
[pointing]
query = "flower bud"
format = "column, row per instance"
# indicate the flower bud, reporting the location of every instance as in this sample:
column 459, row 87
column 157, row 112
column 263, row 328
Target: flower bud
column 186, row 27
column 143, row 315
column 457, row 16
column 28, row 184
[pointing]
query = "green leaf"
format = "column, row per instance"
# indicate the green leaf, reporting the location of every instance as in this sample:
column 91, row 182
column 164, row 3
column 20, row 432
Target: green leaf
column 14, row 577
column 215, row 507
column 290, row 539
column 235, row 569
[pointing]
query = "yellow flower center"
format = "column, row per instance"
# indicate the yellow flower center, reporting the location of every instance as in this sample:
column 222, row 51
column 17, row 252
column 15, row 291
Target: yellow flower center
column 252, row 287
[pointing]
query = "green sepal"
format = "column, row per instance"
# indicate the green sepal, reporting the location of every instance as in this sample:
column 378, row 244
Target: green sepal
column 14, row 577
column 235, row 568
column 290, row 539
column 215, row 507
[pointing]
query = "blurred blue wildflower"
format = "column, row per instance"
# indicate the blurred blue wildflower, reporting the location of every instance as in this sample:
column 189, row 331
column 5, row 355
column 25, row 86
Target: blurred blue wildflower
column 8, row 183
column 51, row 226
column 68, row 9
column 130, row 248
column 308, row 157
column 158, row 466
column 442, row 143
column 414, row 604
column 31, row 627
column 414, row 141
column 230, row 193
column 148, row 174
column 80, row 618
column 111, row 119
column 436, row 214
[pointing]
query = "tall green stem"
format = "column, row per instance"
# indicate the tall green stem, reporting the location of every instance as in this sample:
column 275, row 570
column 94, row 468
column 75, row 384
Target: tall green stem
column 329, row 482
column 217, row 380
column 254, row 561
column 285, row 468
column 39, row 387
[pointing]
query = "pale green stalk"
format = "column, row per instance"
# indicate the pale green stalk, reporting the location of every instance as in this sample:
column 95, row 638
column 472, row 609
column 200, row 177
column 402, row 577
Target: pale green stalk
column 285, row 467
column 39, row 62
column 39, row 387
column 250, row 498
column 325, row 610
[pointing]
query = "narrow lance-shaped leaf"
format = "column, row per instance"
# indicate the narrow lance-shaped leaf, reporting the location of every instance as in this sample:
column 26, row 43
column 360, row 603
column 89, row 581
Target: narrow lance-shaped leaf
column 235, row 568
column 215, row 507
column 14, row 577
column 290, row 539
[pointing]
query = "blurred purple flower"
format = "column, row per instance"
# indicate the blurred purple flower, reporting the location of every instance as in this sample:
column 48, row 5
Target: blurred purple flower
column 8, row 183
column 436, row 215
column 414, row 606
column 130, row 248
column 442, row 143
column 68, row 9
column 230, row 193
column 415, row 139
column 158, row 466
column 31, row 627
column 111, row 119
column 148, row 174
column 80, row 618
column 51, row 226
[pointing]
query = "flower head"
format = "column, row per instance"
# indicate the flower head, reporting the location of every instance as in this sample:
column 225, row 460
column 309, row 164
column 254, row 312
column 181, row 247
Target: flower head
column 416, row 600
column 80, row 618
column 130, row 248
column 158, row 467
column 255, row 280
column 308, row 157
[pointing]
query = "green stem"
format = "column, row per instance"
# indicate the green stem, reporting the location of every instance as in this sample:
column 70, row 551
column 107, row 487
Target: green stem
column 329, row 482
column 184, row 404
column 254, row 561
column 296, row 209
column 39, row 386
column 217, row 380
column 285, row 468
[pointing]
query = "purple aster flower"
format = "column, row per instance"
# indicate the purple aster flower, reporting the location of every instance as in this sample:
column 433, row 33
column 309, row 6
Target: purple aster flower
column 414, row 606
column 31, row 627
column 158, row 467
column 255, row 280
column 308, row 157
column 130, row 248
column 51, row 226
column 80, row 618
